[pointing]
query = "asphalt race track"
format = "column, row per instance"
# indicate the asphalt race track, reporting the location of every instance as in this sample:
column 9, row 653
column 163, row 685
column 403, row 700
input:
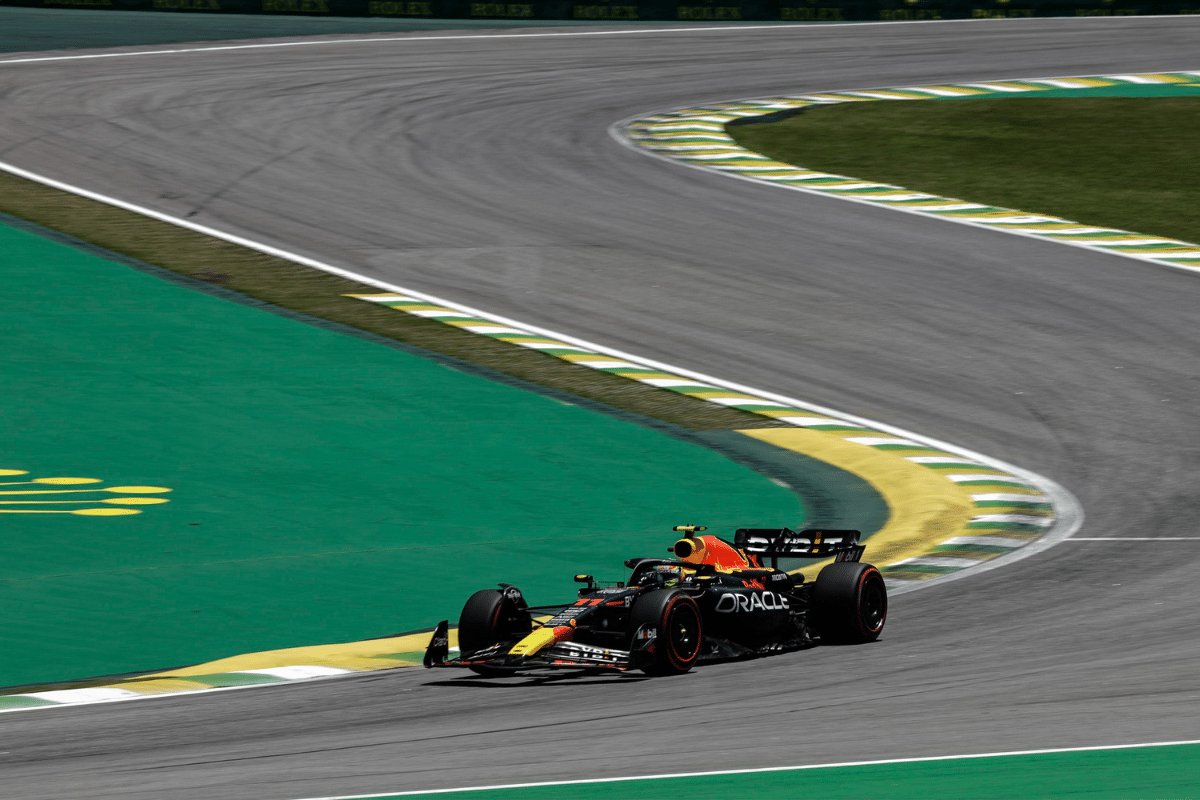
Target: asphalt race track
column 481, row 169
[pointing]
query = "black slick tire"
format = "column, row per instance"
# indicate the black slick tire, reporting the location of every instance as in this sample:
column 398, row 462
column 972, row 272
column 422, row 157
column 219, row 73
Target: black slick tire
column 848, row 603
column 488, row 618
column 680, row 629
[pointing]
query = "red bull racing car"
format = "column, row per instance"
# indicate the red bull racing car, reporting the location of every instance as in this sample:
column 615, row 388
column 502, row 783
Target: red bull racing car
column 714, row 600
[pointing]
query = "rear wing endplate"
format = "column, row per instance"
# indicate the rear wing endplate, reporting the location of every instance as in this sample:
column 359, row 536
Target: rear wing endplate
column 775, row 543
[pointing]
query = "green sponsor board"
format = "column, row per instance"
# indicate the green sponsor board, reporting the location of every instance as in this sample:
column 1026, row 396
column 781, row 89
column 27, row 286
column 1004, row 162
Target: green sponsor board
column 660, row 10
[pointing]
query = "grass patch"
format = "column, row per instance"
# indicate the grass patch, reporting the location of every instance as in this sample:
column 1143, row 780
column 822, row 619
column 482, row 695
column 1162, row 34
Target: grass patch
column 1118, row 162
column 319, row 294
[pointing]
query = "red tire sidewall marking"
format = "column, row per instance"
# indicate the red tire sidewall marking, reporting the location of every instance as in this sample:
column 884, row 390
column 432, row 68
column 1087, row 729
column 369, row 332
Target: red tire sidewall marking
column 858, row 597
column 668, row 615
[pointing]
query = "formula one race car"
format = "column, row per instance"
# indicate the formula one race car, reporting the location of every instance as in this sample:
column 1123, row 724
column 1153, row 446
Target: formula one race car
column 714, row 600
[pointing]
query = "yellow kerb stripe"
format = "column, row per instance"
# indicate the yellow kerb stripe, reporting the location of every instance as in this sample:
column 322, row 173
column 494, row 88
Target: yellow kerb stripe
column 1165, row 78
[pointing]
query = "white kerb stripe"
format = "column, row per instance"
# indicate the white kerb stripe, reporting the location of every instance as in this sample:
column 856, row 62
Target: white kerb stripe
column 1133, row 78
column 296, row 673
column 876, row 441
column 670, row 382
column 843, row 187
column 1138, row 242
column 608, row 364
column 491, row 329
column 939, row 92
column 812, row 422
column 989, row 541
column 938, row 561
column 941, row 460
column 1062, row 84
column 1000, row 497
column 1014, row 219
column 550, row 346
column 977, row 478
column 900, row 198
column 1017, row 519
column 437, row 313
column 741, row 401
column 991, row 87
column 82, row 695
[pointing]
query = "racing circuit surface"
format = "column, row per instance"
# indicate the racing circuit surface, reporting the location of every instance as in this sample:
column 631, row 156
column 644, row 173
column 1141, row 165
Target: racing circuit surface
column 481, row 169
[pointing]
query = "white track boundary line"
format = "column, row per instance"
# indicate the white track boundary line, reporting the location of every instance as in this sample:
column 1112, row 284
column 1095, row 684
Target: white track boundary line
column 1068, row 510
column 1134, row 539
column 617, row 132
column 185, row 693
column 622, row 32
column 760, row 770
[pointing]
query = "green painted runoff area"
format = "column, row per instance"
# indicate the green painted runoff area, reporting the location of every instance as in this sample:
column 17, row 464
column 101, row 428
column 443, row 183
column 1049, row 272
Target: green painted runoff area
column 1128, row 773
column 324, row 487
column 1125, row 157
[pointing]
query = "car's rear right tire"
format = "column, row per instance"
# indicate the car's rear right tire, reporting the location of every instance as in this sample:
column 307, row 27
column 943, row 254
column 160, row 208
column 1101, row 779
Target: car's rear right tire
column 848, row 603
column 489, row 618
column 676, row 616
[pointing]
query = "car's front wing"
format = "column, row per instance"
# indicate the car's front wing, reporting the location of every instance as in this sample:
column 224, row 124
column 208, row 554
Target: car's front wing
column 563, row 655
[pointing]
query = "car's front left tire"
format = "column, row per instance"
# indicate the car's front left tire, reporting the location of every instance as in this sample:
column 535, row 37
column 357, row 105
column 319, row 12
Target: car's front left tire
column 680, row 629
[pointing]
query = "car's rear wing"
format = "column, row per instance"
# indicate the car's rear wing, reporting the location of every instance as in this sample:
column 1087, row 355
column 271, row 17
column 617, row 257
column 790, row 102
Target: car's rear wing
column 776, row 543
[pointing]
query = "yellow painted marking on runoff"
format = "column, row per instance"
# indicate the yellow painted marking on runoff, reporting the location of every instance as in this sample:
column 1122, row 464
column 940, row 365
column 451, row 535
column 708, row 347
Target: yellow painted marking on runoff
column 83, row 512
column 1158, row 76
column 133, row 501
column 117, row 489
column 106, row 510
column 54, row 481
column 961, row 90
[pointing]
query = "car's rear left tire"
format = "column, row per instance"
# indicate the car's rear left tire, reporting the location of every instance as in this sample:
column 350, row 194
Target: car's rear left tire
column 848, row 603
column 676, row 616
column 488, row 618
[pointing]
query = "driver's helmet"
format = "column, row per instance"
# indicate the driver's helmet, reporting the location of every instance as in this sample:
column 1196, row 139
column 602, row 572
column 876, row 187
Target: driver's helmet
column 669, row 575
